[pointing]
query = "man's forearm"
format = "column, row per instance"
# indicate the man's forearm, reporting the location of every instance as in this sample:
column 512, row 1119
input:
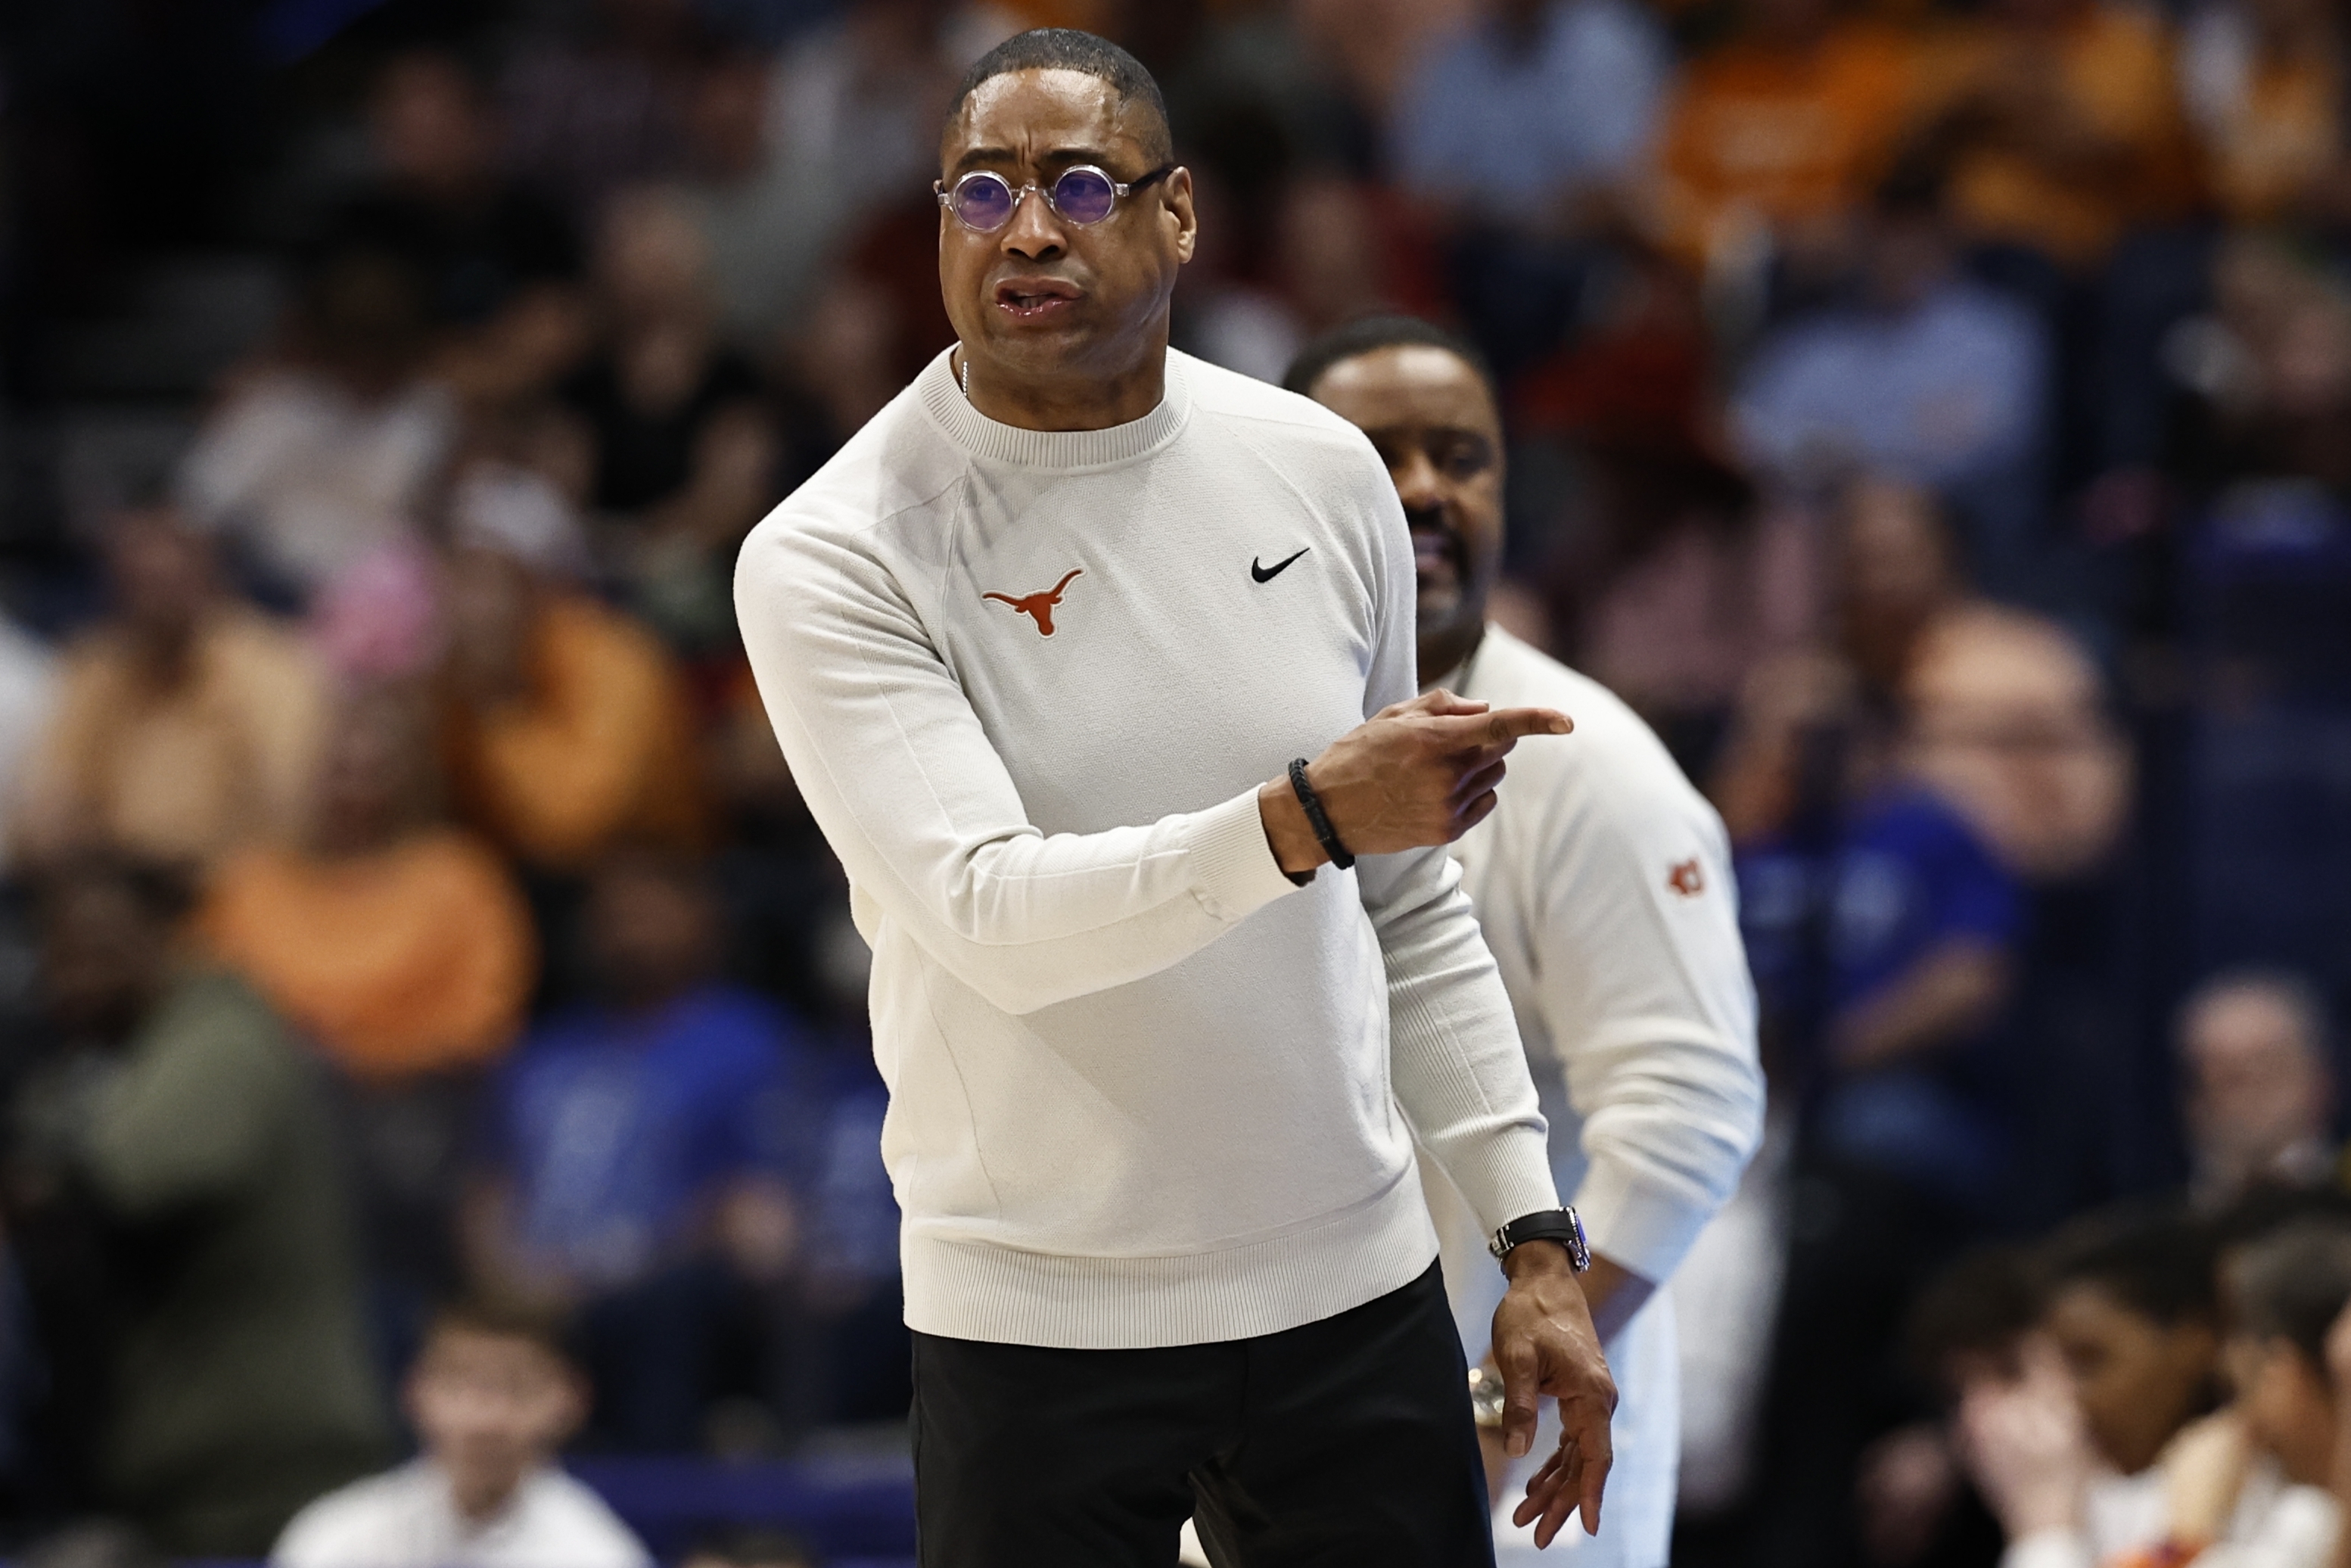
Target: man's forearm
column 925, row 816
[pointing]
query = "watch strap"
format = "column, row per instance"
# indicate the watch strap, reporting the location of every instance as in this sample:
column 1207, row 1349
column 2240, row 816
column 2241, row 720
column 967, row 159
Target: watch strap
column 1563, row 1226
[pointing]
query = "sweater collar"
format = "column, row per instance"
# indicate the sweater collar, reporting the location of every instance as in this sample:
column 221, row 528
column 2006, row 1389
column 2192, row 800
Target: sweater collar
column 981, row 436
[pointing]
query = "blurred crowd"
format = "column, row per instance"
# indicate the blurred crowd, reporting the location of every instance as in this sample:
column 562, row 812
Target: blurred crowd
column 1934, row 416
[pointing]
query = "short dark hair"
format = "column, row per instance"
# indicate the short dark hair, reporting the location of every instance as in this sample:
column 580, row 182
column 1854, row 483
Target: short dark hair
column 2292, row 1285
column 497, row 1315
column 2157, row 1262
column 1983, row 1302
column 1068, row 49
column 1369, row 335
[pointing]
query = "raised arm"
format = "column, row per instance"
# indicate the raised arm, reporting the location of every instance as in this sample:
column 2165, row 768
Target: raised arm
column 914, row 799
column 898, row 772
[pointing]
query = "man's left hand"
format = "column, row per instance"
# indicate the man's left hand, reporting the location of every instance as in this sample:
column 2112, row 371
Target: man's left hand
column 1545, row 1347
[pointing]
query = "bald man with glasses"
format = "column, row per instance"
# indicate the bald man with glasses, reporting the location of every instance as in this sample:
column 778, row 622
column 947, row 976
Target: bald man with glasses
column 1095, row 663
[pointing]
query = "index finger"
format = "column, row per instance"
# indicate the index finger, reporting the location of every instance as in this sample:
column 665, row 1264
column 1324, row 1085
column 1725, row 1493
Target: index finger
column 1499, row 730
column 1504, row 725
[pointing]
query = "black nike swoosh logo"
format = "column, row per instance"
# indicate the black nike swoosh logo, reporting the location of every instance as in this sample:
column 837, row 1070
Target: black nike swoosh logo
column 1268, row 573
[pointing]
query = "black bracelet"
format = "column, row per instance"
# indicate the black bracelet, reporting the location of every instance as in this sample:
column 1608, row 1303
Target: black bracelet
column 1316, row 817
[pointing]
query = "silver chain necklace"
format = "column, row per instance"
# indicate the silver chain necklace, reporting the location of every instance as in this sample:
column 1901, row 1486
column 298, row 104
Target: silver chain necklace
column 966, row 377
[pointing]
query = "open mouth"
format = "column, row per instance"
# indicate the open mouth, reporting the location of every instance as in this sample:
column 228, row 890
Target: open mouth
column 1035, row 299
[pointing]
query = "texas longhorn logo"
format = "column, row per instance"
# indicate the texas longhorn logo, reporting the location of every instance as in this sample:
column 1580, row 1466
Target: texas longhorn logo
column 1040, row 605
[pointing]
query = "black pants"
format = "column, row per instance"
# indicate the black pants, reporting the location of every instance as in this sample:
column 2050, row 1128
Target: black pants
column 1346, row 1442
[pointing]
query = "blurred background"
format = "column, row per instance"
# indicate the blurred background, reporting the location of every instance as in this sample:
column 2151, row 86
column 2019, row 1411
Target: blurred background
column 1934, row 416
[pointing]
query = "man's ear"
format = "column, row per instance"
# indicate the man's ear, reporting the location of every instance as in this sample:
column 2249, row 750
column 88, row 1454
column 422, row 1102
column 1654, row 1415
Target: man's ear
column 1179, row 207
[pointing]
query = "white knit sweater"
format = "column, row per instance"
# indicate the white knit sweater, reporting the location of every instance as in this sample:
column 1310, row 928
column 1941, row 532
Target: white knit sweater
column 1144, row 1091
column 1604, row 886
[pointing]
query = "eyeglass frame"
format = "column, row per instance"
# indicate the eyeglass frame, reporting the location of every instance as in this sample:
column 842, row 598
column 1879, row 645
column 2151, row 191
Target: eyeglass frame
column 1119, row 191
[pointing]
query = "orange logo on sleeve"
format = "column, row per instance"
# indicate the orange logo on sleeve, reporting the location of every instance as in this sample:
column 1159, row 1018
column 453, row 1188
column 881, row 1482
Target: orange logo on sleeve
column 1040, row 605
column 1686, row 878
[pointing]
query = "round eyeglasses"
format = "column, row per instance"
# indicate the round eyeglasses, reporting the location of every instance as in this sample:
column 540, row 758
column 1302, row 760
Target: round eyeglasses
column 1082, row 195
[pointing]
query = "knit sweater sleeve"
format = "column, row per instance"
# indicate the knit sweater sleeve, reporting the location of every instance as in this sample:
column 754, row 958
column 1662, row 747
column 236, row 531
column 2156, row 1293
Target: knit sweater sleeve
column 901, row 775
column 1458, row 1069
column 1642, row 987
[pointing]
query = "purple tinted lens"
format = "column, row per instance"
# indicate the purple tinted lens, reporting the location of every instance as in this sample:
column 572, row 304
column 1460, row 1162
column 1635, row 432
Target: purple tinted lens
column 1084, row 196
column 983, row 201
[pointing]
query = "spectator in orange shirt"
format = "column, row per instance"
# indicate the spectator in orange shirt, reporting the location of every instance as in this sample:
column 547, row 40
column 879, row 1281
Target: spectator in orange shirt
column 2062, row 119
column 183, row 727
column 405, row 950
column 565, row 724
column 399, row 944
column 1777, row 136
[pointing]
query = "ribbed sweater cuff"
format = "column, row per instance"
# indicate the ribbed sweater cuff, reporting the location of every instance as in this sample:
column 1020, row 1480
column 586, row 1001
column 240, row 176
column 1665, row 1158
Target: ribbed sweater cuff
column 1235, row 872
column 1504, row 1176
column 1643, row 1225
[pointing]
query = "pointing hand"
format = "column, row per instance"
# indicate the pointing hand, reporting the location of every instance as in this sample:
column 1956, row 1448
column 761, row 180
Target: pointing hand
column 1420, row 773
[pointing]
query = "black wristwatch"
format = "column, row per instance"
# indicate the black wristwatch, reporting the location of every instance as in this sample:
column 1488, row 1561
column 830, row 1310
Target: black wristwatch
column 1563, row 1226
